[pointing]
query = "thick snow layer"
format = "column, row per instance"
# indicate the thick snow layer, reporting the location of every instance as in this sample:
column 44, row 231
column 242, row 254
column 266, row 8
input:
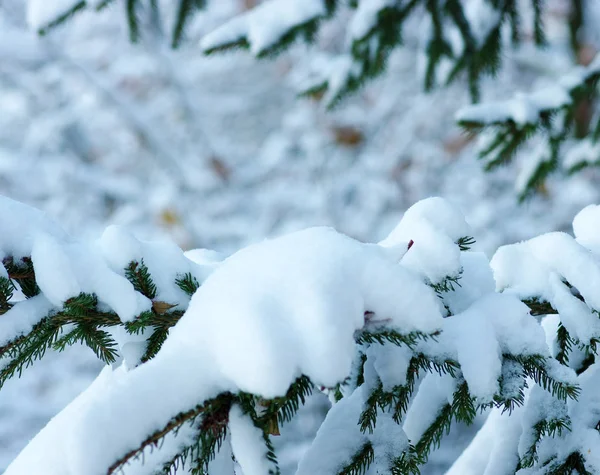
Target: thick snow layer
column 434, row 226
column 269, row 313
column 40, row 13
column 264, row 25
column 270, row 329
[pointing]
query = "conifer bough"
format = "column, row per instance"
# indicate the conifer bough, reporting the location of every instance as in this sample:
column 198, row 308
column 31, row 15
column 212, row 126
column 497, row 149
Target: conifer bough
column 460, row 39
column 205, row 362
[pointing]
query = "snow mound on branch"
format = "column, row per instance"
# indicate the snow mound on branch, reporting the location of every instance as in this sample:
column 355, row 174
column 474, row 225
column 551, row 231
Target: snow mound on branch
column 541, row 268
column 434, row 225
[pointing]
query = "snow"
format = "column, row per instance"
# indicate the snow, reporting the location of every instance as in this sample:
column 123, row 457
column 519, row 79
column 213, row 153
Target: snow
column 434, row 226
column 40, row 13
column 24, row 225
column 523, row 109
column 585, row 227
column 494, row 448
column 248, row 329
column 264, row 25
column 49, row 259
column 434, row 393
column 22, row 317
column 262, row 342
column 338, row 438
column 247, row 443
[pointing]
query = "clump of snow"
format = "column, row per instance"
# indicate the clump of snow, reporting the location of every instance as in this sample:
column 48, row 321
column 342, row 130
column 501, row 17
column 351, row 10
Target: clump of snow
column 264, row 25
column 537, row 269
column 434, row 226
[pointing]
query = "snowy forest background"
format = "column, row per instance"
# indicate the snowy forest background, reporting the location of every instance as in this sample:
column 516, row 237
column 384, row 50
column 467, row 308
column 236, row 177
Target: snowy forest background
column 218, row 152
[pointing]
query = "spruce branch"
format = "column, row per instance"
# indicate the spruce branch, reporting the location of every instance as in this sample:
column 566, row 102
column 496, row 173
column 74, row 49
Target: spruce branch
column 550, row 428
column 214, row 414
column 360, row 461
column 188, row 283
column 22, row 273
column 138, row 274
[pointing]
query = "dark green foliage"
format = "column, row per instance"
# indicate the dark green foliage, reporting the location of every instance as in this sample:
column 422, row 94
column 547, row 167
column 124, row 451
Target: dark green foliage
column 385, row 335
column 573, row 464
column 465, row 243
column 549, row 427
column 188, row 283
column 536, row 368
column 23, row 274
column 6, row 292
column 509, row 137
column 132, row 20
column 565, row 345
column 137, row 273
column 360, row 461
column 185, row 10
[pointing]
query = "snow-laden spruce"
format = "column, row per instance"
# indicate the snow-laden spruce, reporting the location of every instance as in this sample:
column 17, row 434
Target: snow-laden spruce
column 406, row 336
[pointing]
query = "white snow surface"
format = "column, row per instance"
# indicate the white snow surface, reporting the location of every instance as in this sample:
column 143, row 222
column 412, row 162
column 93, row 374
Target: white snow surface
column 264, row 25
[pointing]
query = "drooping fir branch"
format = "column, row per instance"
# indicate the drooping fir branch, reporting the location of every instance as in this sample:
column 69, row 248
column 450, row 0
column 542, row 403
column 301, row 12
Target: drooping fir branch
column 537, row 367
column 549, row 112
column 544, row 427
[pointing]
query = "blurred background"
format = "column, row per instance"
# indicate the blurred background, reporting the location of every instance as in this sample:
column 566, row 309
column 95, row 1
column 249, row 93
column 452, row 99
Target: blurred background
column 219, row 153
